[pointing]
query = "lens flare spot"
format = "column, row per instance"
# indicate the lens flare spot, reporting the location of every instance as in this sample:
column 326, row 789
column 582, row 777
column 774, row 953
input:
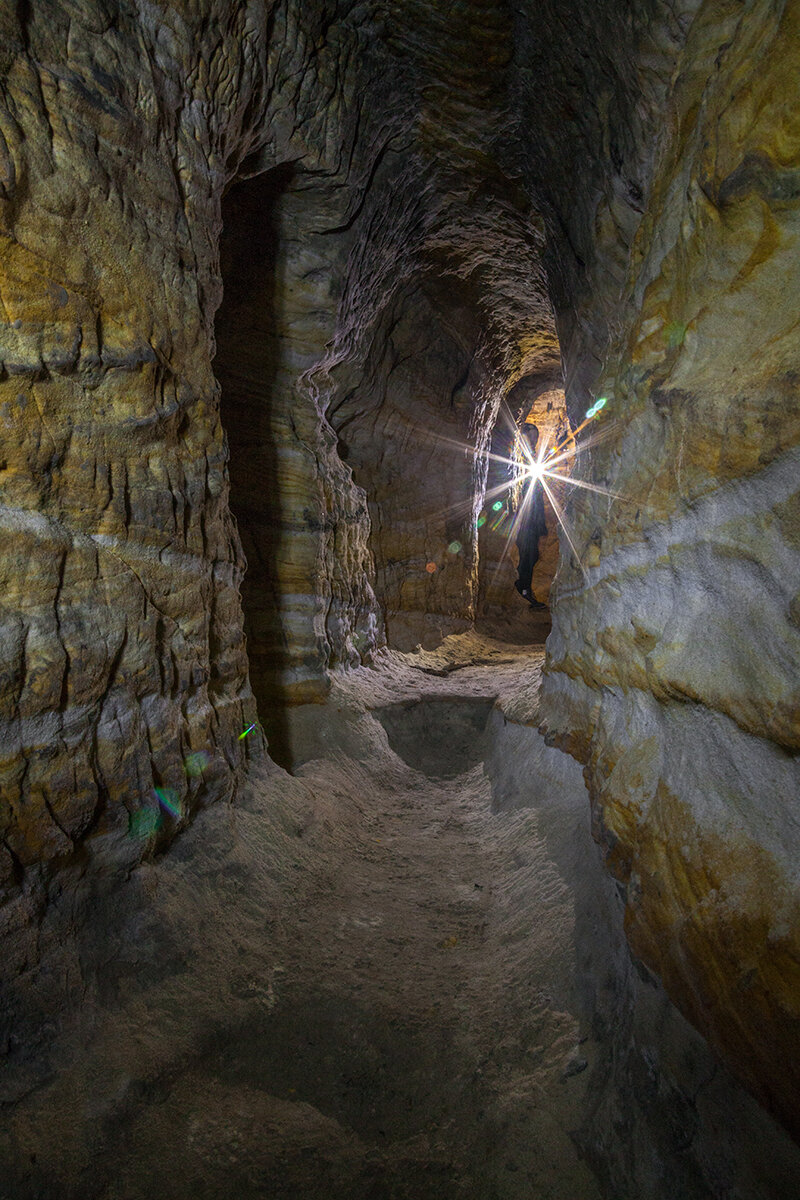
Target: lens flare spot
column 144, row 822
column 195, row 764
column 675, row 334
column 245, row 732
column 498, row 504
column 169, row 801
column 595, row 409
column 481, row 521
column 454, row 548
column 430, row 567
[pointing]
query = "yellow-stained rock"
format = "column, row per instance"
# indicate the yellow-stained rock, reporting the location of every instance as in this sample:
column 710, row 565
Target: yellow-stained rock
column 678, row 646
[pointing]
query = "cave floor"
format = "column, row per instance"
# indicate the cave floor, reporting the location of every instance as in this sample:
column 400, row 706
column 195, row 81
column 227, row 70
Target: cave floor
column 434, row 1022
column 367, row 979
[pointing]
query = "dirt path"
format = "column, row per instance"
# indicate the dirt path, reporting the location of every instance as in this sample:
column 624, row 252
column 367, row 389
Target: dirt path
column 397, row 975
column 420, row 1007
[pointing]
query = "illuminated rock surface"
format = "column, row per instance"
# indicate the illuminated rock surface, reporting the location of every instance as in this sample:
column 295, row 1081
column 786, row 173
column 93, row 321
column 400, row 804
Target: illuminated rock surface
column 674, row 661
column 268, row 271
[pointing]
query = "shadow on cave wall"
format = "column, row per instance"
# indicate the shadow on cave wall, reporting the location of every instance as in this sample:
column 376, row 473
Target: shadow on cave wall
column 246, row 366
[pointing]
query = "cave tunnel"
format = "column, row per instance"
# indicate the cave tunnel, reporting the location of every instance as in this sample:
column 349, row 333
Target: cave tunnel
column 333, row 867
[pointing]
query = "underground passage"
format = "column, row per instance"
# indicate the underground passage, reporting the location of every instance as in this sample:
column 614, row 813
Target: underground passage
column 400, row 606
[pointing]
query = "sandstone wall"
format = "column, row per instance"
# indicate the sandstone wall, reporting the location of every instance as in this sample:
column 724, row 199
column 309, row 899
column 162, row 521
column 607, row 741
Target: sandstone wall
column 407, row 434
column 125, row 677
column 121, row 622
column 125, row 668
column 673, row 661
column 306, row 597
column 411, row 164
column 445, row 306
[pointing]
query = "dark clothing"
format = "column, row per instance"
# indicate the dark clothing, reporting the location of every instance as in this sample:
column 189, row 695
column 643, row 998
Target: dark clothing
column 531, row 528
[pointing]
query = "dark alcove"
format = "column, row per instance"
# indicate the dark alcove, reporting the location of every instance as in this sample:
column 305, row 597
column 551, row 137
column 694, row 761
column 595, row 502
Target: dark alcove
column 246, row 366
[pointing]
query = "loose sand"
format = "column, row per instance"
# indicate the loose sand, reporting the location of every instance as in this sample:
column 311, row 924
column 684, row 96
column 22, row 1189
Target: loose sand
column 398, row 973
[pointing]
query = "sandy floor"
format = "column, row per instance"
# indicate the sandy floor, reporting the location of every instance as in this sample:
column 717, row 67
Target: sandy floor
column 398, row 974
column 476, row 1074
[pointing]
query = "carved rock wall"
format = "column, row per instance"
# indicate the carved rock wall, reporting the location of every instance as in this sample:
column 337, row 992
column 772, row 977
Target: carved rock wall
column 412, row 165
column 406, row 431
column 114, row 464
column 365, row 155
column 305, row 594
column 673, row 660
column 445, row 304
column 121, row 645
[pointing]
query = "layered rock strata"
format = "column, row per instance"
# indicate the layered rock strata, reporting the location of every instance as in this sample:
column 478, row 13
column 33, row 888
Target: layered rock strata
column 121, row 621
column 673, row 662
column 306, row 598
column 413, row 161
column 126, row 678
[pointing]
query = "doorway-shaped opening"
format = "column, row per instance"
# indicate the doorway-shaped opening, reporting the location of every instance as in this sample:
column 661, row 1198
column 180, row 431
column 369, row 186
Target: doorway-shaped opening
column 246, row 366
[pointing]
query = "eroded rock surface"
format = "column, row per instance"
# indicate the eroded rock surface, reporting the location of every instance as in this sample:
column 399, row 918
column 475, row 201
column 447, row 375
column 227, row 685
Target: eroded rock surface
column 405, row 188
column 673, row 662
column 122, row 616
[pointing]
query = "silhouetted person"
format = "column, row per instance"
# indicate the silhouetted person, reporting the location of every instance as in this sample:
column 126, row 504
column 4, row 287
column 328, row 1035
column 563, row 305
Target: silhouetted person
column 532, row 526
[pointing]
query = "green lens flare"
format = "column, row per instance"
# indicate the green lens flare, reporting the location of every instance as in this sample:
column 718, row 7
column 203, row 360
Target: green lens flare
column 144, row 822
column 498, row 504
column 195, row 764
column 169, row 800
column 595, row 409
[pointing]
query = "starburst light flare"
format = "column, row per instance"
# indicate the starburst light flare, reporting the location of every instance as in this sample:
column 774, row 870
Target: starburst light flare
column 548, row 466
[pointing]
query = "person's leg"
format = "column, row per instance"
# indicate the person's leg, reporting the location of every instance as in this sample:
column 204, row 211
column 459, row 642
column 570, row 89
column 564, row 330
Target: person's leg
column 525, row 569
column 528, row 558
